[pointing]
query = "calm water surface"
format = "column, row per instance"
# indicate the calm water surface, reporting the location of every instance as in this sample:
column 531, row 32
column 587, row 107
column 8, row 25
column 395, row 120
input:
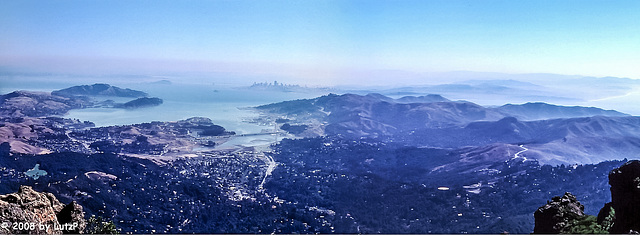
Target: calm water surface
column 224, row 106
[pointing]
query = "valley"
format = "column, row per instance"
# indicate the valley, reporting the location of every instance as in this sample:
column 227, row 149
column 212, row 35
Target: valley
column 319, row 117
column 331, row 164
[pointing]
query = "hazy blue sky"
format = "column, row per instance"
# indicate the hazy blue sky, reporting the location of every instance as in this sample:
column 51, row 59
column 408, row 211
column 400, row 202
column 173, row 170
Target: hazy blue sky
column 330, row 40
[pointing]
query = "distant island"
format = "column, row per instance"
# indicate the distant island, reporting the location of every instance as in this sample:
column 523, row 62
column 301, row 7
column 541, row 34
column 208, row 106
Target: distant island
column 99, row 89
column 40, row 104
column 141, row 103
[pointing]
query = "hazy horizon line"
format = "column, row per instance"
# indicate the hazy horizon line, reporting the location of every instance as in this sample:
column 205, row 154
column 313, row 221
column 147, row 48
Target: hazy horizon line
column 247, row 73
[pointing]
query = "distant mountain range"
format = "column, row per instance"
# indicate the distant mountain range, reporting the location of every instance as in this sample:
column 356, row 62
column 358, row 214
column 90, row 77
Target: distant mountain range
column 422, row 99
column 379, row 115
column 555, row 134
column 541, row 111
column 497, row 89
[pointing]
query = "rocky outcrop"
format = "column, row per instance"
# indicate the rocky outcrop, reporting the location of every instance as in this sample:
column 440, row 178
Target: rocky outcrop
column 28, row 211
column 620, row 216
column 625, row 197
column 606, row 216
column 557, row 214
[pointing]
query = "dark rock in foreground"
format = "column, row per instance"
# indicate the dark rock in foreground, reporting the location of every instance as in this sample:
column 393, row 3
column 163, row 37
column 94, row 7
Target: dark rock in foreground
column 621, row 215
column 39, row 213
column 606, row 216
column 557, row 214
column 625, row 197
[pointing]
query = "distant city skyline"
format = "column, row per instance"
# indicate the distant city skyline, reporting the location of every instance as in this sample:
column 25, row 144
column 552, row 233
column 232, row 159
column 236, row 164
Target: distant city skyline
column 321, row 42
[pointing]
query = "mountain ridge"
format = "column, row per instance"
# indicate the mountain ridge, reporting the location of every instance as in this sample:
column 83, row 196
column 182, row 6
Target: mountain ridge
column 567, row 138
column 541, row 111
column 363, row 114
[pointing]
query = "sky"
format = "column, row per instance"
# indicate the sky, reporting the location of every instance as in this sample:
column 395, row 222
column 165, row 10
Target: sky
column 321, row 42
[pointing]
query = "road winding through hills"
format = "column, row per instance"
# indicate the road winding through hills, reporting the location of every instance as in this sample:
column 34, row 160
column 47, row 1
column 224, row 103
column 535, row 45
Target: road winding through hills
column 524, row 149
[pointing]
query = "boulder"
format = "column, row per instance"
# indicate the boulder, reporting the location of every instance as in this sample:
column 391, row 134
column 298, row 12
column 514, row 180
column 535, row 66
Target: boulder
column 38, row 213
column 606, row 216
column 625, row 197
column 557, row 214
